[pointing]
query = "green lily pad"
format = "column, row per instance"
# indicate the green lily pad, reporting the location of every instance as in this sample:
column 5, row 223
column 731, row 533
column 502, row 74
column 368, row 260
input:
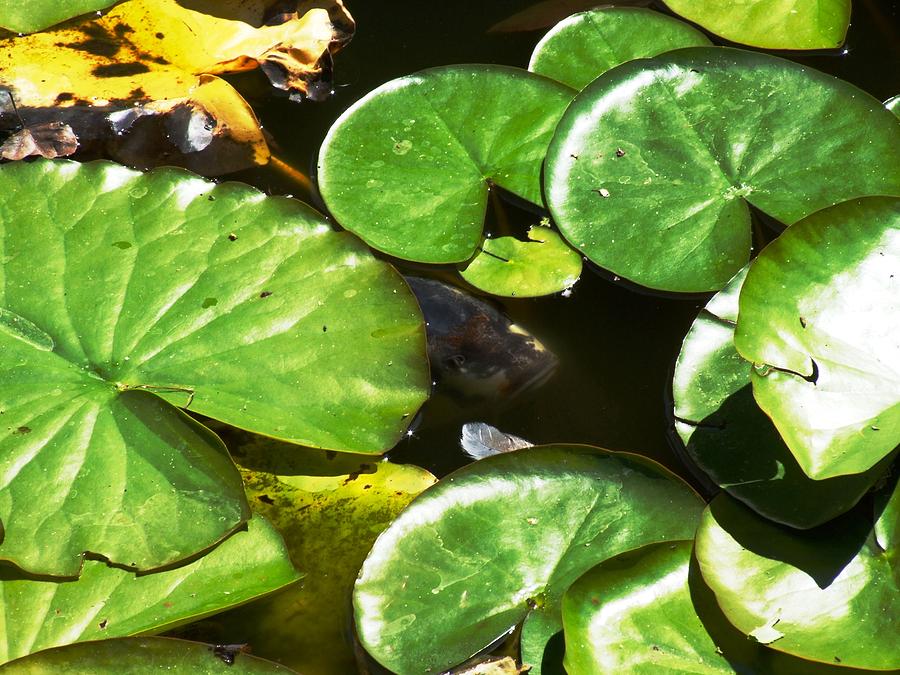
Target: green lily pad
column 771, row 24
column 475, row 554
column 587, row 44
column 111, row 602
column 135, row 656
column 828, row 594
column 329, row 508
column 820, row 313
column 634, row 614
column 540, row 266
column 408, row 167
column 653, row 165
column 121, row 289
column 29, row 16
column 734, row 442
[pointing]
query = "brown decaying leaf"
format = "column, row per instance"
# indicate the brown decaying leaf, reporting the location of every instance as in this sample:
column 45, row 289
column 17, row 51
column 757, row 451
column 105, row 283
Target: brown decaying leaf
column 50, row 140
column 138, row 84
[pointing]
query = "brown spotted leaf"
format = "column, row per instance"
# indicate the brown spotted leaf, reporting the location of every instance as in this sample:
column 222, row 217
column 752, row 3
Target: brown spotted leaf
column 140, row 83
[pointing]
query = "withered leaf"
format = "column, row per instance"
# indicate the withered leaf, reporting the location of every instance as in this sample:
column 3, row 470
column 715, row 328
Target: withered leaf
column 50, row 140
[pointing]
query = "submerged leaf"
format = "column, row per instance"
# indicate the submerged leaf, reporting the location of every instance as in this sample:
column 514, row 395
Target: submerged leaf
column 329, row 509
column 159, row 290
column 139, row 655
column 111, row 602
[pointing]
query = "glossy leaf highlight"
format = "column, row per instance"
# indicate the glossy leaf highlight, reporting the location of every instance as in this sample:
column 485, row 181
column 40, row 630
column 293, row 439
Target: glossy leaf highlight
column 820, row 315
column 653, row 166
column 475, row 554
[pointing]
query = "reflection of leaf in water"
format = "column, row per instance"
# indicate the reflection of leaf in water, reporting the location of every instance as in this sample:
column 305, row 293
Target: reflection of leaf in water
column 141, row 79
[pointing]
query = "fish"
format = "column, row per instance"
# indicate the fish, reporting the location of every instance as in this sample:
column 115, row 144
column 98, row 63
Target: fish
column 476, row 352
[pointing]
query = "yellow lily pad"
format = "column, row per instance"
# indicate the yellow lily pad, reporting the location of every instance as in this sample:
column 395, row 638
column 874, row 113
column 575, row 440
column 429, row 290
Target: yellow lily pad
column 329, row 507
column 108, row 75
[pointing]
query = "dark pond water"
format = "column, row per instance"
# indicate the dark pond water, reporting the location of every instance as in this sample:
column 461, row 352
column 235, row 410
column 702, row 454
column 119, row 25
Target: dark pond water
column 616, row 346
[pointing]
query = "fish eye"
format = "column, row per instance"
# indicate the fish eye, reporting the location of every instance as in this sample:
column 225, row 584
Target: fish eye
column 455, row 361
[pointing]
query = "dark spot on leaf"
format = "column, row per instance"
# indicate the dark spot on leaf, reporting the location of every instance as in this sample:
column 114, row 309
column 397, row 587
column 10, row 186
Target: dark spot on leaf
column 168, row 603
column 366, row 487
column 232, row 236
column 620, row 152
column 265, row 294
column 210, row 302
column 837, row 659
column 573, row 156
column 212, row 199
column 324, row 329
column 655, row 648
column 120, row 69
column 266, row 499
column 532, row 603
column 694, row 70
column 103, row 623
column 595, row 600
column 122, row 29
column 122, row 244
column 156, row 59
column 137, row 92
column 160, row 36
column 352, row 477
column 22, row 431
column 227, row 653
column 64, row 96
column 802, row 322
column 96, row 46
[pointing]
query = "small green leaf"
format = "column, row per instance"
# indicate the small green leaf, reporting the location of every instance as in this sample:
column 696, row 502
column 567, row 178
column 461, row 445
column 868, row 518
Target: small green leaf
column 111, row 602
column 409, row 166
column 727, row 435
column 29, row 16
column 504, row 537
column 652, row 167
column 540, row 266
column 634, row 614
column 830, row 592
column 309, row 339
column 585, row 45
column 135, row 656
column 819, row 315
column 771, row 24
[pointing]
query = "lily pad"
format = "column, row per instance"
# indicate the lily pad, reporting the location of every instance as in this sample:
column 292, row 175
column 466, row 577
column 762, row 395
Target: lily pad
column 828, row 594
column 329, row 508
column 135, row 656
column 123, row 288
column 771, row 24
column 540, row 266
column 653, row 166
column 585, row 45
column 734, row 442
column 111, row 602
column 634, row 614
column 408, row 167
column 472, row 556
column 28, row 16
column 820, row 315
